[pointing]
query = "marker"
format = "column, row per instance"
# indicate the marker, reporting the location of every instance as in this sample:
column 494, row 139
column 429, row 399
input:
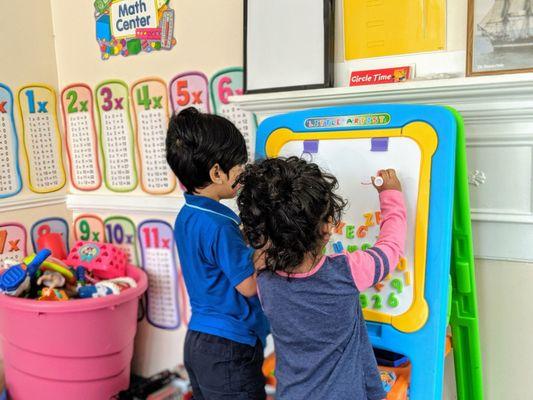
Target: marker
column 378, row 181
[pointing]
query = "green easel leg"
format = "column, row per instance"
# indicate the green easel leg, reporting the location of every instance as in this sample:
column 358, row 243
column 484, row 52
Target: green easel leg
column 464, row 312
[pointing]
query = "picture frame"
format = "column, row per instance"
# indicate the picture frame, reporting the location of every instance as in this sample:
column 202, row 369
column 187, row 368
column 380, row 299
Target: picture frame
column 288, row 45
column 499, row 37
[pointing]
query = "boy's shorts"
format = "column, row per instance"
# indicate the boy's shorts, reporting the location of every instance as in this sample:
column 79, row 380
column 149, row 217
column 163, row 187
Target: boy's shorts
column 221, row 369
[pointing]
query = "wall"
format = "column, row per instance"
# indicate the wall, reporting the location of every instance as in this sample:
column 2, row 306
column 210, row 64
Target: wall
column 209, row 37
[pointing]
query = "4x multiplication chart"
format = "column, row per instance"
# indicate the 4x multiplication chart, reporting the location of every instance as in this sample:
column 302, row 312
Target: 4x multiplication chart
column 150, row 104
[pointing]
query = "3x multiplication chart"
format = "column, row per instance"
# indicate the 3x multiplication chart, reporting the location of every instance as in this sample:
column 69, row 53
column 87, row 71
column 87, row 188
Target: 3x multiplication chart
column 150, row 104
column 42, row 139
column 80, row 136
column 116, row 135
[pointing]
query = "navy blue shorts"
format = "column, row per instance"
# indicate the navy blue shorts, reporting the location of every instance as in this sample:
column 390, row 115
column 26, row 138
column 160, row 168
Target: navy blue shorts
column 221, row 369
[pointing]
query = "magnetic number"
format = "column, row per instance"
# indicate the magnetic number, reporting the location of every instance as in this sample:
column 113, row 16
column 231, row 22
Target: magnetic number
column 363, row 299
column 155, row 234
column 3, row 237
column 397, row 284
column 366, row 246
column 392, row 301
column 402, row 265
column 108, row 96
column 184, row 96
column 73, row 97
column 115, row 233
column 31, row 101
column 85, row 230
column 377, row 301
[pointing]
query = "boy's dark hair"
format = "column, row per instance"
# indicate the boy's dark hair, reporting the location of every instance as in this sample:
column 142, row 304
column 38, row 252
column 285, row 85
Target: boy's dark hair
column 197, row 141
column 285, row 203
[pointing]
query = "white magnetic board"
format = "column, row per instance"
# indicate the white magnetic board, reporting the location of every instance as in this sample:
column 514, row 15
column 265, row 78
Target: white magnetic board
column 353, row 163
column 287, row 44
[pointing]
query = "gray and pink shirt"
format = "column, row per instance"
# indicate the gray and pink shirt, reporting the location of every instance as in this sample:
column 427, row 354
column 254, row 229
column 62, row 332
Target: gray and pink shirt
column 322, row 346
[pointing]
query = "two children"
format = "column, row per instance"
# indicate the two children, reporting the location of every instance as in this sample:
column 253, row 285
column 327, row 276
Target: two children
column 288, row 210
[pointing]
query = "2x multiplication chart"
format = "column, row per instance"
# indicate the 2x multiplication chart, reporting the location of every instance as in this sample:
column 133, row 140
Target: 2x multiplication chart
column 80, row 136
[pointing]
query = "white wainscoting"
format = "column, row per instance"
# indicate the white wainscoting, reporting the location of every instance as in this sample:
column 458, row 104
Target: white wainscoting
column 498, row 116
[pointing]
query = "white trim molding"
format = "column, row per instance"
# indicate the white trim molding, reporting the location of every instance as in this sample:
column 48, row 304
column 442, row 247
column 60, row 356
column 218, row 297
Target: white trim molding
column 498, row 115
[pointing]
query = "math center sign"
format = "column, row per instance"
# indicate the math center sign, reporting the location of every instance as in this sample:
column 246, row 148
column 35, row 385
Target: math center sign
column 129, row 27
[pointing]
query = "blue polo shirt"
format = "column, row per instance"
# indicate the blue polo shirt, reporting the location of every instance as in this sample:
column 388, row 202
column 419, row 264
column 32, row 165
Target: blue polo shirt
column 214, row 259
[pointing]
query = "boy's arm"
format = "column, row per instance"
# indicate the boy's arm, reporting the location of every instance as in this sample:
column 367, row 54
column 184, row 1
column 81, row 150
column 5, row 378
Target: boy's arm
column 373, row 265
column 235, row 259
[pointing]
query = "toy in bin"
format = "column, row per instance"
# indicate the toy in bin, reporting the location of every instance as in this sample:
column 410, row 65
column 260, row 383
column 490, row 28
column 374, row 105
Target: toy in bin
column 103, row 259
column 16, row 280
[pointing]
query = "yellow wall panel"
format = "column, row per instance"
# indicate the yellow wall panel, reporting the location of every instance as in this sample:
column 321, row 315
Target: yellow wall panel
column 375, row 28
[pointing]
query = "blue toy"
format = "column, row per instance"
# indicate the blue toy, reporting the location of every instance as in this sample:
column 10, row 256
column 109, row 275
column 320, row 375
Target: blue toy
column 17, row 279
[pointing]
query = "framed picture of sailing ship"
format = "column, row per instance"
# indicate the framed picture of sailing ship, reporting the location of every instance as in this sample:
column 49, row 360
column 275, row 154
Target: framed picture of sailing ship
column 500, row 37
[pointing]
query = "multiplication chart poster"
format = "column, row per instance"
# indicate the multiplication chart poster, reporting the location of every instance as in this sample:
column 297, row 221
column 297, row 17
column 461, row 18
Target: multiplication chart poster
column 80, row 135
column 120, row 231
column 189, row 89
column 150, row 105
column 224, row 84
column 41, row 137
column 10, row 179
column 89, row 227
column 159, row 261
column 116, row 135
column 49, row 225
column 12, row 244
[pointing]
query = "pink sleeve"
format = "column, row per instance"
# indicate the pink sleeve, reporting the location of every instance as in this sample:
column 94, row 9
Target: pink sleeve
column 373, row 265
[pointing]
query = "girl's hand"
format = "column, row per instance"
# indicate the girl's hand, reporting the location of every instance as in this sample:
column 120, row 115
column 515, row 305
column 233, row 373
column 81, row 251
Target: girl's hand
column 390, row 181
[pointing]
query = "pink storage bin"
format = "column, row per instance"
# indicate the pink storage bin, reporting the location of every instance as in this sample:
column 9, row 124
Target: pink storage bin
column 78, row 349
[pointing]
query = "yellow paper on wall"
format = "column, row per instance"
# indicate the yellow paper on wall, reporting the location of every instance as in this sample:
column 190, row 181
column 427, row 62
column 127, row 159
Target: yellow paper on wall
column 375, row 28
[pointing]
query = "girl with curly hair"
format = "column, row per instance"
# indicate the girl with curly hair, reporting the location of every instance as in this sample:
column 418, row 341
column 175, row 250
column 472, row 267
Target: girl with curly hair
column 289, row 209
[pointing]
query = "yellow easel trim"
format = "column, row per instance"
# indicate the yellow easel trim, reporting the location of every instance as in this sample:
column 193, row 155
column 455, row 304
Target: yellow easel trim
column 426, row 138
column 58, row 135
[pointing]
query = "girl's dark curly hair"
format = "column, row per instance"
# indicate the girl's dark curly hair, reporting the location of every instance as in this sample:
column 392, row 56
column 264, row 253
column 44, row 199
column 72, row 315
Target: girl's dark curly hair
column 285, row 203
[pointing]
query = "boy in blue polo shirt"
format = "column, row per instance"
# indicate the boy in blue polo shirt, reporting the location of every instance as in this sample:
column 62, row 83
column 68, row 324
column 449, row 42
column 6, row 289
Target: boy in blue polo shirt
column 223, row 351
